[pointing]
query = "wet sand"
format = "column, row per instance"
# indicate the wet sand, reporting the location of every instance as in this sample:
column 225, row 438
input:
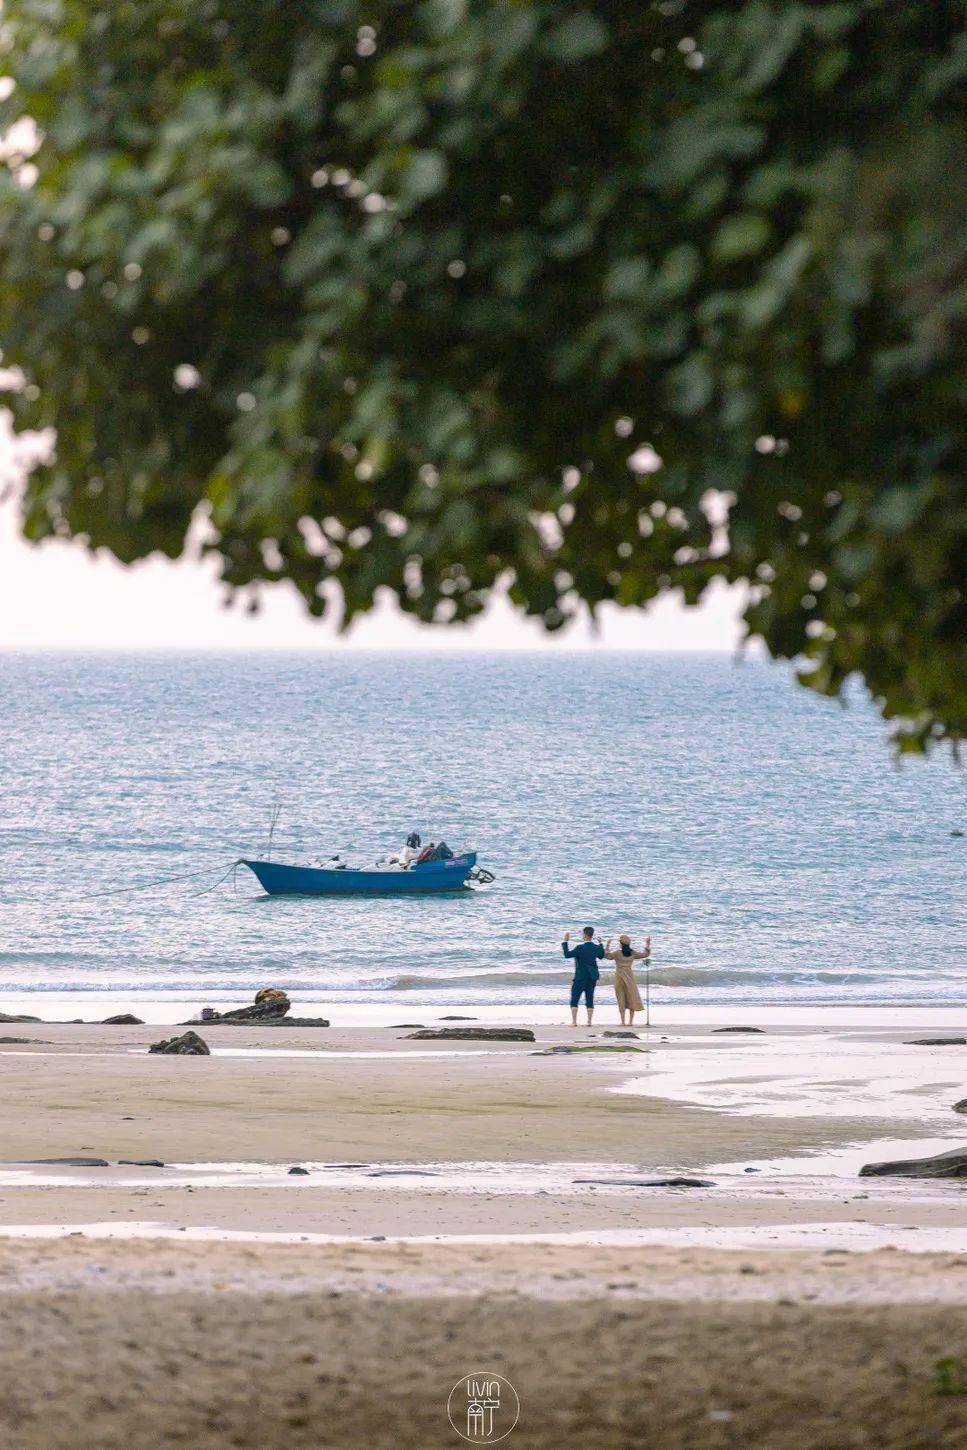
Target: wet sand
column 370, row 1093
column 463, row 1138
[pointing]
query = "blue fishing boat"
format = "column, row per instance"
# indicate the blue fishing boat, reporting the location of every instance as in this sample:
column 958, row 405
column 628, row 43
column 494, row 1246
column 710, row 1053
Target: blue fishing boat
column 453, row 874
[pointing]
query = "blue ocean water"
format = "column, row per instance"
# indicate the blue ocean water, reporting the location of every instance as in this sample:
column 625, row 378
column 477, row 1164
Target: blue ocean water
column 765, row 838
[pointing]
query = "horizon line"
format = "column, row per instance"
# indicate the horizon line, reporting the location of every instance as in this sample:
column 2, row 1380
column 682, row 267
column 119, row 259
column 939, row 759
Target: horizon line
column 741, row 651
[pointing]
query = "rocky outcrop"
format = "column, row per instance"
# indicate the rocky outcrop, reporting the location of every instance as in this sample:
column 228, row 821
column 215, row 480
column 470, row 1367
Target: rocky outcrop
column 937, row 1042
column 189, row 1044
column 473, row 1034
column 5, row 1017
column 264, row 1011
column 648, row 1182
column 71, row 1162
column 738, row 1029
column 270, row 1009
column 620, row 1034
column 952, row 1164
column 568, row 1049
column 140, row 1163
column 123, row 1019
column 403, row 1173
column 298, row 1172
column 453, row 1017
column 270, row 994
column 961, row 1107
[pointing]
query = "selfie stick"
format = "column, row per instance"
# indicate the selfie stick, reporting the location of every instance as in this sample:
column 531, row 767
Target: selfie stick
column 648, row 986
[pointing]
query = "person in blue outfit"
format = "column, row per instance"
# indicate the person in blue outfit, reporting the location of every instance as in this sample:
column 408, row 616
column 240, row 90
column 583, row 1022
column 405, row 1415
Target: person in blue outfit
column 585, row 956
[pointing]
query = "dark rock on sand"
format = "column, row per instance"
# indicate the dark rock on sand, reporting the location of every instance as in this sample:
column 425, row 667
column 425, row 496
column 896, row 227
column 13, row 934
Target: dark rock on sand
column 738, row 1029
column 189, row 1044
column 952, row 1164
column 72, row 1162
column 299, row 1172
column 5, row 1017
column 937, row 1042
column 620, row 1034
column 474, row 1034
column 961, row 1107
column 270, row 1009
column 401, row 1025
column 568, row 1049
column 454, row 1018
column 140, row 1163
column 123, row 1019
column 269, row 1003
column 6, row 1040
column 403, row 1173
column 258, row 1011
column 649, row 1182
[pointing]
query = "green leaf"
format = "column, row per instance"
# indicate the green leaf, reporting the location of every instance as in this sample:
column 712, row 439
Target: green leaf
column 741, row 236
column 579, row 37
column 424, row 175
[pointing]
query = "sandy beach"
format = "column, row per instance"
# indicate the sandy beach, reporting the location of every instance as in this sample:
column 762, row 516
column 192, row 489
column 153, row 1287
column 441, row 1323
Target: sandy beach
column 471, row 1205
column 217, row 1345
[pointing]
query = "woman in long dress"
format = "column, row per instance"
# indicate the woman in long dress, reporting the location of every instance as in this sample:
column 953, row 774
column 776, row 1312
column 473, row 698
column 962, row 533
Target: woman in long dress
column 625, row 986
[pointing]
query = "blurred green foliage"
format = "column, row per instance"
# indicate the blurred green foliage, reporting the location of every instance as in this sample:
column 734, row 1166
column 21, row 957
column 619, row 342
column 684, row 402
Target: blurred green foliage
column 428, row 294
column 950, row 1376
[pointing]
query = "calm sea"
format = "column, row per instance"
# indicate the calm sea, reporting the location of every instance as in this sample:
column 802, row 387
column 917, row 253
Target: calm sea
column 765, row 838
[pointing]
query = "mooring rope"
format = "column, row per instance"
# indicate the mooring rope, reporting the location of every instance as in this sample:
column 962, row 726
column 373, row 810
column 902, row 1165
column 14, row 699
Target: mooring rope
column 232, row 871
column 165, row 881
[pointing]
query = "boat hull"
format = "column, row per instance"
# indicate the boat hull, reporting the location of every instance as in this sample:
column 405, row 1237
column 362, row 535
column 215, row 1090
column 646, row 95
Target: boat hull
column 280, row 880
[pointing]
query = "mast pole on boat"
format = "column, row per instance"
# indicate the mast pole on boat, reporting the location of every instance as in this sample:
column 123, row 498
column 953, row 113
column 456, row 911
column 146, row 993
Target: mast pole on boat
column 648, row 984
column 273, row 821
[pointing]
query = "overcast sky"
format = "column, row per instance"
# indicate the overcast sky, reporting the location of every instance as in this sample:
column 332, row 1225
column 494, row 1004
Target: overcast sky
column 59, row 596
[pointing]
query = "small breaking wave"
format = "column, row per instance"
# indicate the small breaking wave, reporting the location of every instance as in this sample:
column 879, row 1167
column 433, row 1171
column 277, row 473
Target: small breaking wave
column 178, row 988
column 493, row 979
column 660, row 977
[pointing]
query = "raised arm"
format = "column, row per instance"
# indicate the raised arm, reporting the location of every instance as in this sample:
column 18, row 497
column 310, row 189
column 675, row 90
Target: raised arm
column 566, row 949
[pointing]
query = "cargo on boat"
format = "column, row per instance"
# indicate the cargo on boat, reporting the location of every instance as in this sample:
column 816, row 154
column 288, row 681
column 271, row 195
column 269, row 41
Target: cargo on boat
column 452, row 874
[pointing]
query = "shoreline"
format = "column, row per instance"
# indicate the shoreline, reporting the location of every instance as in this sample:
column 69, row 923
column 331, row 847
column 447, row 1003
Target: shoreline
column 60, row 1008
